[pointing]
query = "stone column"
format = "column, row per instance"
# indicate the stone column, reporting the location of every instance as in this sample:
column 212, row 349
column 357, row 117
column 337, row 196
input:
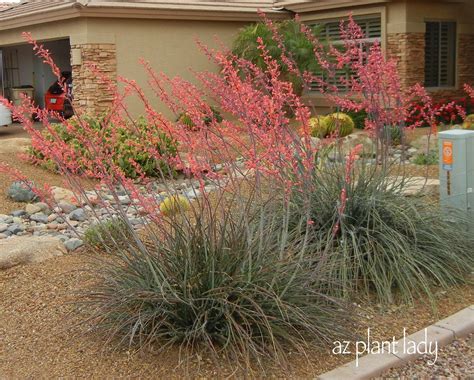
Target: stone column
column 409, row 51
column 90, row 93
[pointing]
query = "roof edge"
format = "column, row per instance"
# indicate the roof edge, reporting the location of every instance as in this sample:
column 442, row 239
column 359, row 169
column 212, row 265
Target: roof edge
column 80, row 9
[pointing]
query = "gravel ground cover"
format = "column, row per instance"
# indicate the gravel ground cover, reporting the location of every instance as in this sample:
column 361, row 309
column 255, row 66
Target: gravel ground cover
column 455, row 361
column 41, row 338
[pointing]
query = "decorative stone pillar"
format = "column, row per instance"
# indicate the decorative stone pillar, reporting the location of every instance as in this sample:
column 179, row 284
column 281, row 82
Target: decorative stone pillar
column 409, row 51
column 90, row 92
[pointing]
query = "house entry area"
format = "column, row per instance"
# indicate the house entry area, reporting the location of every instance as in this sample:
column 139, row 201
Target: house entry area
column 24, row 73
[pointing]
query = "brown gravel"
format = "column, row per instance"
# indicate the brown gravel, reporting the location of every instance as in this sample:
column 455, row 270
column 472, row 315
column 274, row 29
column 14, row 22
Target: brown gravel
column 13, row 140
column 39, row 335
column 455, row 361
column 40, row 338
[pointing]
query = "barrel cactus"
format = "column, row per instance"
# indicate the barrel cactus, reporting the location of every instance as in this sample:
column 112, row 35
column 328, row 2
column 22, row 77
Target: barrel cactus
column 469, row 122
column 339, row 123
column 318, row 128
column 174, row 204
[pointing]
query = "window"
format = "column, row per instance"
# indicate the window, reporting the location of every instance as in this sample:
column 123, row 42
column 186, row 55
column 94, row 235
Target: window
column 372, row 28
column 440, row 54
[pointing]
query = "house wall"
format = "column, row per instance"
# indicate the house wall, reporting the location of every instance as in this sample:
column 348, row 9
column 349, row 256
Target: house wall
column 403, row 37
column 406, row 40
column 118, row 44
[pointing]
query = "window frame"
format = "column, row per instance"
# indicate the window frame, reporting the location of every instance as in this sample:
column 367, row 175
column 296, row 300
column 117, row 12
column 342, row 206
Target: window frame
column 363, row 41
column 455, row 58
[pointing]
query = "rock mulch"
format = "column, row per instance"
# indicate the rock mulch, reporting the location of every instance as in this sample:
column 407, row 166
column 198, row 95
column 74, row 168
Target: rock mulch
column 45, row 335
column 455, row 361
column 69, row 220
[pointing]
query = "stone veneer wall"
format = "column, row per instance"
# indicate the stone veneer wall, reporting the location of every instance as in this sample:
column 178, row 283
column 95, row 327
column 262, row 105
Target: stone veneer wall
column 90, row 93
column 409, row 50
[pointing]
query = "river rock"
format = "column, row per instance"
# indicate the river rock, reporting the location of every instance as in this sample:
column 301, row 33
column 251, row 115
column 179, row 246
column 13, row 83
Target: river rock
column 61, row 194
column 78, row 215
column 20, row 192
column 73, row 244
column 39, row 217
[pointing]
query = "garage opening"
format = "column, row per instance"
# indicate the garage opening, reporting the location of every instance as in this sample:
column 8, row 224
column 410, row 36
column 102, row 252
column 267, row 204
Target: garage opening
column 23, row 72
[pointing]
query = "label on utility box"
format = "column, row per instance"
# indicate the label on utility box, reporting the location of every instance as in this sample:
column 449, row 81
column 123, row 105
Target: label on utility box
column 448, row 155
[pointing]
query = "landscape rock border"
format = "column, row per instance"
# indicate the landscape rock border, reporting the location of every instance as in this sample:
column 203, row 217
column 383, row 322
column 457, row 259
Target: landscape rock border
column 444, row 332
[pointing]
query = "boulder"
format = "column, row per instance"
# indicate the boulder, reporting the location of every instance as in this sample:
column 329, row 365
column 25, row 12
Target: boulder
column 61, row 194
column 350, row 142
column 20, row 192
column 66, row 207
column 16, row 228
column 33, row 208
column 28, row 249
column 17, row 213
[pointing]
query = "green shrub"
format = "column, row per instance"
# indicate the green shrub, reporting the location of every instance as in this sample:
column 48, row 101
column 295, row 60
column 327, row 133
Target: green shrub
column 294, row 40
column 215, row 282
column 393, row 134
column 125, row 145
column 185, row 119
column 108, row 234
column 384, row 243
column 430, row 158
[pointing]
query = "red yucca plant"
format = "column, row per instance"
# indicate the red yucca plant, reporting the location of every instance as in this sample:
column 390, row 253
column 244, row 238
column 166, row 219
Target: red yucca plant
column 227, row 265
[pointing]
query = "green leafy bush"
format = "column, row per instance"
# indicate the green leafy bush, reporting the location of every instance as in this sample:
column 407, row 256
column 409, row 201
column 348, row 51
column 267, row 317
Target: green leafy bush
column 108, row 234
column 382, row 242
column 186, row 119
column 215, row 282
column 430, row 158
column 294, row 41
column 393, row 134
column 127, row 152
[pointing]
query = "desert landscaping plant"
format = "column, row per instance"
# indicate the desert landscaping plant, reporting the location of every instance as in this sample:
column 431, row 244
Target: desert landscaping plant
column 124, row 142
column 245, row 266
column 106, row 235
column 429, row 158
column 380, row 242
column 291, row 39
column 213, row 283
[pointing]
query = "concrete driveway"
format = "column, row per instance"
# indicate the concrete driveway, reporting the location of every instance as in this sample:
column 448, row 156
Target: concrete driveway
column 15, row 130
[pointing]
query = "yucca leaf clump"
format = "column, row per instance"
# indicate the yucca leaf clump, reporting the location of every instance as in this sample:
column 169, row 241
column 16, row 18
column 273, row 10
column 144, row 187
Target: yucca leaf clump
column 382, row 242
column 218, row 282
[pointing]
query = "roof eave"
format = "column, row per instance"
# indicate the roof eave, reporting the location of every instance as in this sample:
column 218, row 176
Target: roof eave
column 140, row 11
column 312, row 6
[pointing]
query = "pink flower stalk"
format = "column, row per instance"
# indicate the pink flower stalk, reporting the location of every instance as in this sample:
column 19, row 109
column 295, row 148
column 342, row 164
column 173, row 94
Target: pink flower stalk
column 350, row 163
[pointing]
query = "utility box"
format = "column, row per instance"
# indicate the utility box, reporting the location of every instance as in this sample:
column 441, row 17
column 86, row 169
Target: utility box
column 456, row 165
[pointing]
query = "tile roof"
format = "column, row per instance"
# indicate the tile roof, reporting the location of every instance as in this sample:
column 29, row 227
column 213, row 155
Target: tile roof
column 29, row 7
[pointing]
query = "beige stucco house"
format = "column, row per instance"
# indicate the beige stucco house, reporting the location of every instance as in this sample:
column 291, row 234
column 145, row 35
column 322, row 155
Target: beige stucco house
column 433, row 41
